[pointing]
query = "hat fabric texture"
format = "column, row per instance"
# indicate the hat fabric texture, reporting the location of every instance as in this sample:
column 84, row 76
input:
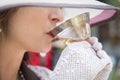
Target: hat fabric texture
column 55, row 3
column 71, row 7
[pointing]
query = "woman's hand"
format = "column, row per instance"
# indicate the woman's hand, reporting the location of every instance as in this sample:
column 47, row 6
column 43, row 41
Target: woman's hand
column 83, row 61
column 97, row 46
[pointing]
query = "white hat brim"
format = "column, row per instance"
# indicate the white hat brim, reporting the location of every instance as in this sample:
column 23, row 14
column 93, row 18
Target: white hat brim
column 96, row 15
column 71, row 7
column 72, row 12
column 4, row 4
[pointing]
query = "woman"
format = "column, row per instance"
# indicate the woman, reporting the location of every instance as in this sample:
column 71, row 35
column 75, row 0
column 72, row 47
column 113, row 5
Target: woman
column 25, row 29
column 15, row 41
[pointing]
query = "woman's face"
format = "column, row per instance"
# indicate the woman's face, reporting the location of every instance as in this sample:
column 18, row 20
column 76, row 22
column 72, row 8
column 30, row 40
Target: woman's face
column 29, row 27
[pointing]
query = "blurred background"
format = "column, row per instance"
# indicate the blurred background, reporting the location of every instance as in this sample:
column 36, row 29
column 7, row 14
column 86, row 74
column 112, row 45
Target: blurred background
column 112, row 2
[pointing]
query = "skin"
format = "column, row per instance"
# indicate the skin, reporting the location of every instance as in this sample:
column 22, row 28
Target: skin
column 27, row 31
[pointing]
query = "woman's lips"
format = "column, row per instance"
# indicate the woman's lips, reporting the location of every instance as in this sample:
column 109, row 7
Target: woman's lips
column 51, row 34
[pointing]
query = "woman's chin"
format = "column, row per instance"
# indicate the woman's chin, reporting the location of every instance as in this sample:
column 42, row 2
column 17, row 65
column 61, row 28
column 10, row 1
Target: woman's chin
column 40, row 51
column 41, row 48
column 44, row 50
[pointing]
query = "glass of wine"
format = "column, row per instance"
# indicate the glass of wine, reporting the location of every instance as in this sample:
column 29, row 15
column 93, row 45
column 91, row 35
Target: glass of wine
column 74, row 29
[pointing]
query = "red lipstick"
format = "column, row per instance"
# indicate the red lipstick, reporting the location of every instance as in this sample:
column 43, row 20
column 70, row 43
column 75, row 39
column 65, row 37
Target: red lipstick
column 51, row 34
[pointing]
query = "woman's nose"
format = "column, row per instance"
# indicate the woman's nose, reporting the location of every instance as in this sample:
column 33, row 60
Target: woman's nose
column 56, row 15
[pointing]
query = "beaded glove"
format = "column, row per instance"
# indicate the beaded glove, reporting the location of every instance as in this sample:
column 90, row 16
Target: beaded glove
column 83, row 61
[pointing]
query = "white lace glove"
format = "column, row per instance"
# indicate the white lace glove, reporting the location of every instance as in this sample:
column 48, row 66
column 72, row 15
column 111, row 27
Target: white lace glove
column 104, row 73
column 83, row 61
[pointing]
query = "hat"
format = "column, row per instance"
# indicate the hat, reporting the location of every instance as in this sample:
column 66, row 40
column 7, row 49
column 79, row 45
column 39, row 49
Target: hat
column 71, row 7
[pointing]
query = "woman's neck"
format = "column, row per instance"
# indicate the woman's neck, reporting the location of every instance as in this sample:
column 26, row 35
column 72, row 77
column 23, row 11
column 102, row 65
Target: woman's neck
column 10, row 59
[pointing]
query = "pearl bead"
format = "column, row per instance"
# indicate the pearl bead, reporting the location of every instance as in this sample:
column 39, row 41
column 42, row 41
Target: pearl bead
column 21, row 75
